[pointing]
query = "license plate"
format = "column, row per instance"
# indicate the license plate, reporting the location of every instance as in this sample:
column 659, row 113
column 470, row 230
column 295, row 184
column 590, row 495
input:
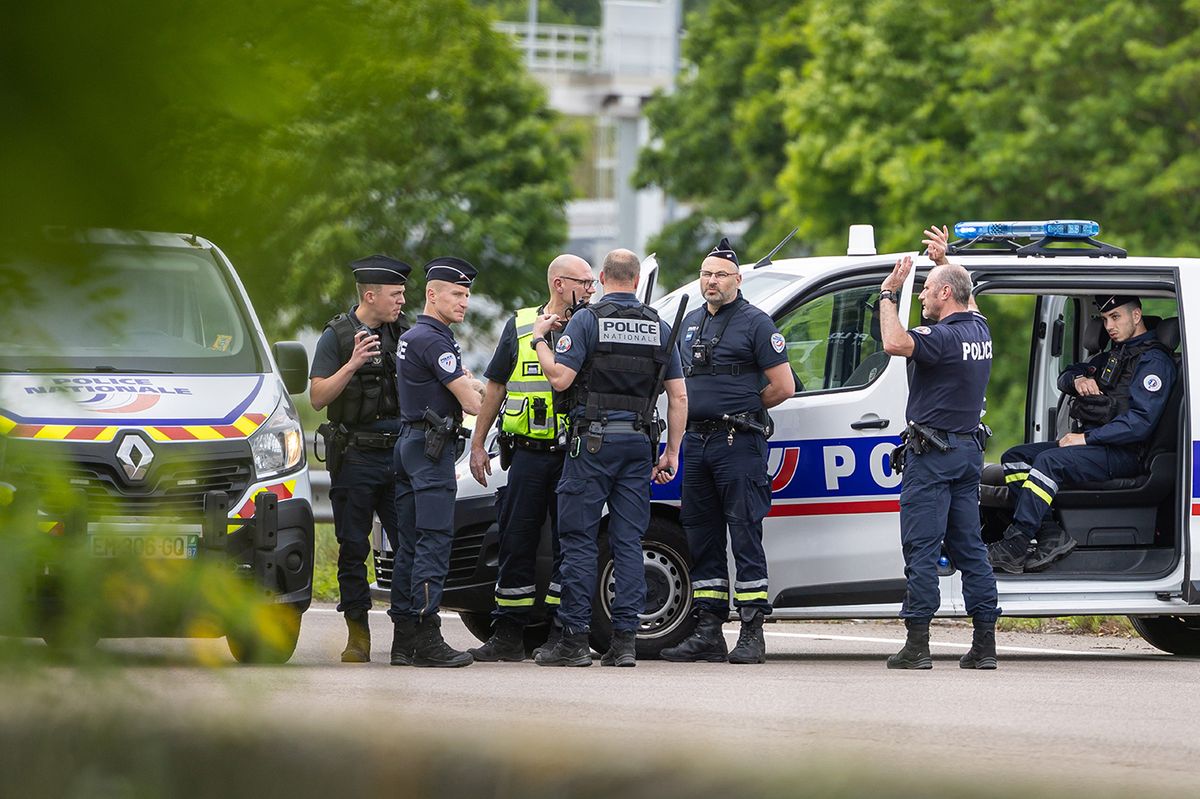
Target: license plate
column 170, row 547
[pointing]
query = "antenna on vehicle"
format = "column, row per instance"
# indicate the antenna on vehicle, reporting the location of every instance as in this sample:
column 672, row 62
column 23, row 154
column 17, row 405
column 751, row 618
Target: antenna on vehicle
column 766, row 259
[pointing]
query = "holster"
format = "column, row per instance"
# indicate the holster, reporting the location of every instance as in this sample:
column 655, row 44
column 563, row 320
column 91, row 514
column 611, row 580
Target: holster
column 505, row 443
column 595, row 437
column 435, row 443
column 1091, row 411
column 333, row 436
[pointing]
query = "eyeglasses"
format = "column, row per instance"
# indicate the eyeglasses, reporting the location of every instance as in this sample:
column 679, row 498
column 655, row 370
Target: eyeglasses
column 581, row 281
column 718, row 275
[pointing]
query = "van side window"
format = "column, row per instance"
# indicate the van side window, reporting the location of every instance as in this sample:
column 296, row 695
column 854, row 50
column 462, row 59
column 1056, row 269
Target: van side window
column 833, row 341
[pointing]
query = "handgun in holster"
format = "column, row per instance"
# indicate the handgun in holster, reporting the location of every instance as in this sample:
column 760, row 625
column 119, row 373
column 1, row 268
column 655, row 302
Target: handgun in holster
column 335, row 437
column 438, row 432
column 746, row 423
column 929, row 438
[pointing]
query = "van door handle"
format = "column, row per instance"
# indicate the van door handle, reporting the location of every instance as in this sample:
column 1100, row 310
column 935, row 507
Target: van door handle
column 870, row 424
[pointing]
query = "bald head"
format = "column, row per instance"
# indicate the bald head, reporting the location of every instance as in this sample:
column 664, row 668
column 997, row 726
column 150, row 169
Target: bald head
column 954, row 276
column 567, row 265
column 621, row 268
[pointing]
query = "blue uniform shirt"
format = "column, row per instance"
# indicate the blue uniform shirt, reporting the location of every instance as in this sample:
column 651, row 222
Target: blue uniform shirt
column 427, row 360
column 747, row 337
column 953, row 360
column 1153, row 378
column 578, row 342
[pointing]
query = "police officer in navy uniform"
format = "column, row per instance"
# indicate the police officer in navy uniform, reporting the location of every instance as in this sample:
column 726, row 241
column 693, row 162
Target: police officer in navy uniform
column 613, row 352
column 534, row 431
column 943, row 458
column 1117, row 399
column 354, row 375
column 435, row 391
column 736, row 367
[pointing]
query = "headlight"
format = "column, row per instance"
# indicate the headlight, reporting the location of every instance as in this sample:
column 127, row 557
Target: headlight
column 278, row 445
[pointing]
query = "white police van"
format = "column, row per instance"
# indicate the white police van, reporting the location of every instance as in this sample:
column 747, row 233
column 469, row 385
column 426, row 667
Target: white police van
column 832, row 536
column 133, row 364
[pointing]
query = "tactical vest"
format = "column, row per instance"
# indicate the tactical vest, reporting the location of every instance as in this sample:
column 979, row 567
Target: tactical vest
column 370, row 394
column 622, row 373
column 529, row 408
column 1115, row 380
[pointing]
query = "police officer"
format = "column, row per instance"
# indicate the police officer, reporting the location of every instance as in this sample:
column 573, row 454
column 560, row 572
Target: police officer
column 1117, row 399
column 534, row 436
column 943, row 457
column 435, row 392
column 614, row 352
column 354, row 375
column 736, row 368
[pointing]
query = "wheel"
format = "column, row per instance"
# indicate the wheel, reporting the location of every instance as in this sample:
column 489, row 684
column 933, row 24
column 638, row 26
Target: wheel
column 269, row 639
column 666, row 619
column 1179, row 635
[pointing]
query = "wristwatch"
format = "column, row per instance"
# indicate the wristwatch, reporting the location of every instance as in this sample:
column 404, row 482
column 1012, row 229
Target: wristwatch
column 888, row 294
column 533, row 344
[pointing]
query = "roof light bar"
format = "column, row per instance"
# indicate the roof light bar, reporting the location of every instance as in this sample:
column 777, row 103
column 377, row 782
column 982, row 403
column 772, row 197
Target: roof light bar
column 1054, row 229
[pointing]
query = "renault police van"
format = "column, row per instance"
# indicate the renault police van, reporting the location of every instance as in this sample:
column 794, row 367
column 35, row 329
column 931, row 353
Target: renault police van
column 832, row 536
column 134, row 363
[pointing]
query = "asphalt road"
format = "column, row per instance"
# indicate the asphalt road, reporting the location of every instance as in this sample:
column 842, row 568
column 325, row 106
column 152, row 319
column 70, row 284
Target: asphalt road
column 1079, row 710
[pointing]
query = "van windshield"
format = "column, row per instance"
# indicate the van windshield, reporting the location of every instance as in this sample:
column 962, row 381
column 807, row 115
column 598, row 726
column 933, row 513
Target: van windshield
column 123, row 309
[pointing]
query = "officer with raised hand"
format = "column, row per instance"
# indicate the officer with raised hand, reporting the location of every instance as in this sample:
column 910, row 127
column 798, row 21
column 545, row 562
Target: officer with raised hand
column 942, row 458
column 1117, row 399
column 614, row 352
column 534, row 433
column 736, row 366
column 354, row 375
column 435, row 392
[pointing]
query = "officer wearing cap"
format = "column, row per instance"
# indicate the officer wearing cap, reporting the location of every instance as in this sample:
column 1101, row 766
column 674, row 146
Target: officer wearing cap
column 435, row 391
column 736, row 367
column 1117, row 399
column 533, row 441
column 354, row 375
column 943, row 457
column 614, row 352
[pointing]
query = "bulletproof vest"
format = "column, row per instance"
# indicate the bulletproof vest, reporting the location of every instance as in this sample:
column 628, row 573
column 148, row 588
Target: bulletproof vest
column 1115, row 379
column 622, row 372
column 371, row 393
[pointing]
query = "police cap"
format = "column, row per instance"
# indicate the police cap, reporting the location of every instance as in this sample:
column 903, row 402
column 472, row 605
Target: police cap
column 380, row 269
column 452, row 270
column 1106, row 302
column 725, row 250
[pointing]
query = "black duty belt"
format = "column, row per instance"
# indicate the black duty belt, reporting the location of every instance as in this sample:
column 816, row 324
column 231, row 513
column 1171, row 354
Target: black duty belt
column 537, row 445
column 377, row 440
column 613, row 427
column 708, row 426
column 690, row 370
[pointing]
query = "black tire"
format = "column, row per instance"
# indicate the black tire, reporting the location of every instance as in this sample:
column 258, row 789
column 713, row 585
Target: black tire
column 249, row 646
column 667, row 619
column 480, row 626
column 1179, row 635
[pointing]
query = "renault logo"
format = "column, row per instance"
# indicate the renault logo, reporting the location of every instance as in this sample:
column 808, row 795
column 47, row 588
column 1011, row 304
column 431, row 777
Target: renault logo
column 135, row 457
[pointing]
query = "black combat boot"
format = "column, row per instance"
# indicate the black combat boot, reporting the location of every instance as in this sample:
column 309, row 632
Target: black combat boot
column 358, row 644
column 404, row 631
column 621, row 649
column 507, row 643
column 1053, row 543
column 915, row 654
column 705, row 645
column 430, row 650
column 1008, row 554
column 982, row 654
column 751, row 646
column 554, row 636
column 571, row 650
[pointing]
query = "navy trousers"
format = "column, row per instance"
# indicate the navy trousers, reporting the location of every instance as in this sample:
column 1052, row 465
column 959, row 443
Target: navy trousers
column 939, row 502
column 619, row 475
column 425, row 493
column 725, row 487
column 523, row 505
column 1034, row 472
column 363, row 486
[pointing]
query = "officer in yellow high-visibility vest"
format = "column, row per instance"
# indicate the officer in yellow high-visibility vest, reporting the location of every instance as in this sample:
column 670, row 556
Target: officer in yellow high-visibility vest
column 533, row 429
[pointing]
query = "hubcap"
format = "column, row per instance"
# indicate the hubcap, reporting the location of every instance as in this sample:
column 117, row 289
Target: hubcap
column 668, row 599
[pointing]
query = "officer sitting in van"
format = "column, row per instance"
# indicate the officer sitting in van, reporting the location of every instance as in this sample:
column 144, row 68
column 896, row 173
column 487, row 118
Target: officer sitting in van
column 1117, row 398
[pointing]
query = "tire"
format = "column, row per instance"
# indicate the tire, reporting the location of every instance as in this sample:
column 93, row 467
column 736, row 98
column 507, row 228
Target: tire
column 250, row 646
column 1179, row 635
column 667, row 619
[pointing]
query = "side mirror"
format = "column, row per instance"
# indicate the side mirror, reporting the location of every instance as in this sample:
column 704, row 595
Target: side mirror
column 292, row 360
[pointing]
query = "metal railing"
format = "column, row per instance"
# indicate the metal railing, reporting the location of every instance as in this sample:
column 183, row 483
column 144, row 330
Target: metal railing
column 556, row 48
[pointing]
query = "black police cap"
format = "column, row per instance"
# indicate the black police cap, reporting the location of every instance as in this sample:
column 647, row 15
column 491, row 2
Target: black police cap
column 452, row 270
column 1106, row 302
column 380, row 269
column 725, row 250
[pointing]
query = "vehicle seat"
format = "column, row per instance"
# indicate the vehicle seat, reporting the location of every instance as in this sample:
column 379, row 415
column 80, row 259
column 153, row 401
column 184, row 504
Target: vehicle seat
column 874, row 363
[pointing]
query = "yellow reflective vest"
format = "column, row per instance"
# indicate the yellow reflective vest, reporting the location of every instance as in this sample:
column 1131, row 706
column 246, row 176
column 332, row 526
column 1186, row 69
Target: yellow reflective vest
column 529, row 407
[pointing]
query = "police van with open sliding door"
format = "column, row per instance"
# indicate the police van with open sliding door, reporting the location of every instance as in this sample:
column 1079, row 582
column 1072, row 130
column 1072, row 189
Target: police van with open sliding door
column 134, row 367
column 832, row 536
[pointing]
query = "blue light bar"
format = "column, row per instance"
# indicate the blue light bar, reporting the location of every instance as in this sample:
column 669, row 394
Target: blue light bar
column 1055, row 229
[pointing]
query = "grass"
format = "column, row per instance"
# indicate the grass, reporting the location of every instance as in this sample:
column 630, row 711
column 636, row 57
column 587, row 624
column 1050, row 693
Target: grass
column 1109, row 626
column 325, row 586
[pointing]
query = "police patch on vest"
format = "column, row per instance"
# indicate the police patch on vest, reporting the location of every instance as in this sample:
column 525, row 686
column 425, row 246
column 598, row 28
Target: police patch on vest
column 629, row 331
column 563, row 345
column 691, row 331
column 923, row 330
column 448, row 361
column 532, row 369
column 1152, row 382
column 777, row 342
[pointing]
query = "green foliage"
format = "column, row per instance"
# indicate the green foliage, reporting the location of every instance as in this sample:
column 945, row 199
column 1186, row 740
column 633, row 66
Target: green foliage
column 297, row 136
column 325, row 584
